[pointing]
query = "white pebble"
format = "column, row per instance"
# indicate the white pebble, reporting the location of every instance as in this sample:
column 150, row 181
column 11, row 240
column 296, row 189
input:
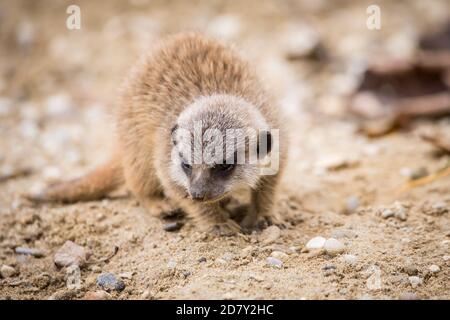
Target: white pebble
column 171, row 264
column 387, row 213
column 352, row 203
column 415, row 281
column 434, row 268
column 316, row 243
column 374, row 280
column 400, row 211
column 274, row 262
column 333, row 246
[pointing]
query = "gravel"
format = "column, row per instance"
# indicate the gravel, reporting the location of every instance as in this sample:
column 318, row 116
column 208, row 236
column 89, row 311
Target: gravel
column 352, row 204
column 30, row 251
column 333, row 246
column 270, row 235
column 397, row 210
column 274, row 262
column 316, row 243
column 434, row 268
column 71, row 254
column 73, row 277
column 373, row 282
column 171, row 264
column 387, row 213
column 415, row 281
column 410, row 269
column 172, row 226
column 7, row 271
column 279, row 255
column 109, row 282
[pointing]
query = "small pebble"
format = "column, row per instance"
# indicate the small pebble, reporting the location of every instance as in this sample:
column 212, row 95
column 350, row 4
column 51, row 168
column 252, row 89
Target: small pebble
column 201, row 260
column 145, row 294
column 279, row 255
column 7, row 271
column 415, row 281
column 73, row 280
column 400, row 211
column 374, row 280
column 97, row 295
column 172, row 226
column 186, row 273
column 270, row 234
column 387, row 213
column 329, row 267
column 446, row 258
column 352, row 204
column 333, row 246
column 109, row 282
column 29, row 251
column 434, row 268
column 410, row 269
column 293, row 249
column 71, row 254
column 274, row 262
column 126, row 275
column 171, row 264
column 316, row 243
column 350, row 259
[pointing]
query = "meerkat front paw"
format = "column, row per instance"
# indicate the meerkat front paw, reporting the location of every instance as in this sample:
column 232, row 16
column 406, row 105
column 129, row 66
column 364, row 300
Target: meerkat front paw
column 227, row 228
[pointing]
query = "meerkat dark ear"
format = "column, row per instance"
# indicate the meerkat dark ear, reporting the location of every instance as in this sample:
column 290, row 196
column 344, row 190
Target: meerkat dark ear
column 172, row 131
column 264, row 143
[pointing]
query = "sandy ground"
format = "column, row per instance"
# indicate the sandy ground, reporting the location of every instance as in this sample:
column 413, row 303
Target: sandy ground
column 57, row 89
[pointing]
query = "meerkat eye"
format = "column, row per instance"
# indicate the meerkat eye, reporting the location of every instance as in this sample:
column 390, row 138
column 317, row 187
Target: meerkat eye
column 186, row 167
column 226, row 167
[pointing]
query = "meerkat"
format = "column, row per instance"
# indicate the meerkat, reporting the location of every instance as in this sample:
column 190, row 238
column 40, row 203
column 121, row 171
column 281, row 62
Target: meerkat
column 188, row 80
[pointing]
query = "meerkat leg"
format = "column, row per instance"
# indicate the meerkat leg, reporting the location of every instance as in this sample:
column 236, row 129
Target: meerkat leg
column 212, row 217
column 262, row 203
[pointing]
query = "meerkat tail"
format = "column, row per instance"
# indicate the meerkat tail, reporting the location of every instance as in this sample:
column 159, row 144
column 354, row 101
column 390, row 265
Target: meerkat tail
column 93, row 186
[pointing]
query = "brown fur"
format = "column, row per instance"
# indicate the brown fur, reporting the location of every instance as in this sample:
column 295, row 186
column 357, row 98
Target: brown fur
column 160, row 87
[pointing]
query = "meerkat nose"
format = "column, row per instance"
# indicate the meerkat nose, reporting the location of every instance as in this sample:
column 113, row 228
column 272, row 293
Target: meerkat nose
column 197, row 195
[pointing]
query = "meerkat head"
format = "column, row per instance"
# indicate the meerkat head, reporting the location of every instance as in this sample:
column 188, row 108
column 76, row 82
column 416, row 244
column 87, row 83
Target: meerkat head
column 217, row 143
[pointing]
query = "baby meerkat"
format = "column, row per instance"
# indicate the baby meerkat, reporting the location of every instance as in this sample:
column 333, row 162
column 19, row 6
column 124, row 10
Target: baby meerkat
column 176, row 114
